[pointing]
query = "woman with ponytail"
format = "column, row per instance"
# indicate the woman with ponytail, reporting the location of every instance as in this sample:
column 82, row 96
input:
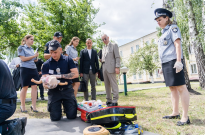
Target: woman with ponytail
column 28, row 71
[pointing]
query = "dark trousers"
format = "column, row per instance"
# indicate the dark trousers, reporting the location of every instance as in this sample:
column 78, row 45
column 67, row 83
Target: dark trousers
column 57, row 98
column 41, row 88
column 6, row 111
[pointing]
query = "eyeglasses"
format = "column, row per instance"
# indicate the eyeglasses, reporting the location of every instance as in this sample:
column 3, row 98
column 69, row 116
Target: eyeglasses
column 104, row 39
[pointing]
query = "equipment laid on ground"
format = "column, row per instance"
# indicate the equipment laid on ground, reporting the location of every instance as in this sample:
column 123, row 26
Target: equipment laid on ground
column 95, row 130
column 113, row 114
column 88, row 106
column 116, row 119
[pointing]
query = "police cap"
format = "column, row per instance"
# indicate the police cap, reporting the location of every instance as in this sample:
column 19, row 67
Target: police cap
column 161, row 12
column 58, row 34
column 53, row 45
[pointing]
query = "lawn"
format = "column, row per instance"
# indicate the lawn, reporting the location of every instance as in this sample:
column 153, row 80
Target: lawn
column 151, row 106
column 102, row 88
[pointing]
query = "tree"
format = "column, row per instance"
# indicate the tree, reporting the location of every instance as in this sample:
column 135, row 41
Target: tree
column 11, row 33
column 195, row 41
column 169, row 4
column 146, row 58
column 71, row 17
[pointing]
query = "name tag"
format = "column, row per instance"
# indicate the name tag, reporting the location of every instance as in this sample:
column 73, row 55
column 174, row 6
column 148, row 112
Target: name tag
column 50, row 71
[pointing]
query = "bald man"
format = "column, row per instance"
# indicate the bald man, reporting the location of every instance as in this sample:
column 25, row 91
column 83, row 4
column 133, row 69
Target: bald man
column 111, row 66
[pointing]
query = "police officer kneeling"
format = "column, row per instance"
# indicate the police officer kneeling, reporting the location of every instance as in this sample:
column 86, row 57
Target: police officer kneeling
column 64, row 69
column 8, row 98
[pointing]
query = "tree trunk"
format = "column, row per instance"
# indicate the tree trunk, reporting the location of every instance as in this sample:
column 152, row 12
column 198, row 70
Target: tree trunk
column 151, row 76
column 198, row 50
column 186, row 76
column 169, row 4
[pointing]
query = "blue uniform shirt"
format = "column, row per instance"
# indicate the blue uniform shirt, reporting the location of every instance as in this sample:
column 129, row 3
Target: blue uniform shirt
column 72, row 52
column 166, row 47
column 7, row 88
column 46, row 47
column 26, row 51
column 65, row 63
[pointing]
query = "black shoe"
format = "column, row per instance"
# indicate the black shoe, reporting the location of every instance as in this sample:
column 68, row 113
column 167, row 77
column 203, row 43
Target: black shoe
column 179, row 123
column 33, row 110
column 172, row 117
column 109, row 103
column 114, row 104
column 25, row 111
column 23, row 122
column 42, row 98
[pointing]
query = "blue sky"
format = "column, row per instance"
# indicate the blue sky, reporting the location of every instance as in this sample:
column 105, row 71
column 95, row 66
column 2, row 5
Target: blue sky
column 126, row 20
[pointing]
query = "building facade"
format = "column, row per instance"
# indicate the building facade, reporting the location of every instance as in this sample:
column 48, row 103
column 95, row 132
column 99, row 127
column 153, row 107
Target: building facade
column 128, row 49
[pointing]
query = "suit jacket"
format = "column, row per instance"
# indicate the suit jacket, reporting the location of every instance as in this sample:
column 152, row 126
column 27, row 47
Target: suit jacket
column 112, row 59
column 86, row 62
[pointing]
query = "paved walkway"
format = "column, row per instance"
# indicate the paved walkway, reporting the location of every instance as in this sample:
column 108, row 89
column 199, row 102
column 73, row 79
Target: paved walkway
column 65, row 126
column 80, row 94
column 62, row 127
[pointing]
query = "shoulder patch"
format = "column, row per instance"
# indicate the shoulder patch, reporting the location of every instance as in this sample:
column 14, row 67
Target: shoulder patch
column 20, row 49
column 175, row 29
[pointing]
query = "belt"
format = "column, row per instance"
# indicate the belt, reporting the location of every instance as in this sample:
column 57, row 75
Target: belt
column 7, row 101
column 64, row 88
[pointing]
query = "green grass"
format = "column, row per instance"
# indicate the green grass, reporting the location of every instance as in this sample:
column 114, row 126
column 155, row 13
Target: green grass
column 151, row 105
column 102, row 88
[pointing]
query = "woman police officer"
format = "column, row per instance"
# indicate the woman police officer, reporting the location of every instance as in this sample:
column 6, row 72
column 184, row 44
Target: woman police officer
column 28, row 71
column 72, row 52
column 171, row 55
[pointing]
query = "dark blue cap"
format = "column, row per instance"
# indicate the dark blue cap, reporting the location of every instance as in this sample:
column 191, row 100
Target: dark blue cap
column 58, row 34
column 161, row 12
column 53, row 45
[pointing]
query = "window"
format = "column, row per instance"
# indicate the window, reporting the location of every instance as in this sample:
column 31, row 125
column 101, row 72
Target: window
column 157, row 73
column 193, row 69
column 155, row 41
column 134, row 76
column 191, row 49
column 132, row 50
column 141, row 42
column 140, row 75
column 137, row 48
column 121, row 53
column 147, row 42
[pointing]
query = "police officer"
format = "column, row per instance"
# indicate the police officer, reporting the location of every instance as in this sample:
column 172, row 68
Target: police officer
column 57, row 36
column 71, row 51
column 28, row 71
column 39, row 64
column 64, row 69
column 171, row 55
column 8, row 98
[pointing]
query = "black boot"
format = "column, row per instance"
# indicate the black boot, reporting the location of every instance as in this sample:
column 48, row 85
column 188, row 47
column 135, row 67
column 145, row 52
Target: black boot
column 12, row 127
column 23, row 122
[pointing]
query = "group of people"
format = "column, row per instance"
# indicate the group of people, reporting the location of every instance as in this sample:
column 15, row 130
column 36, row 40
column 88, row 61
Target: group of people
column 66, row 68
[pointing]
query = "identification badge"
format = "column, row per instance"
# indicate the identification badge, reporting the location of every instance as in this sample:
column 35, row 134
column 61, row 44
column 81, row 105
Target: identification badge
column 50, row 71
column 58, row 70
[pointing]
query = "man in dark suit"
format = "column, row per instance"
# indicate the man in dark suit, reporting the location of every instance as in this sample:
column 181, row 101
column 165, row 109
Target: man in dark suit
column 89, row 66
